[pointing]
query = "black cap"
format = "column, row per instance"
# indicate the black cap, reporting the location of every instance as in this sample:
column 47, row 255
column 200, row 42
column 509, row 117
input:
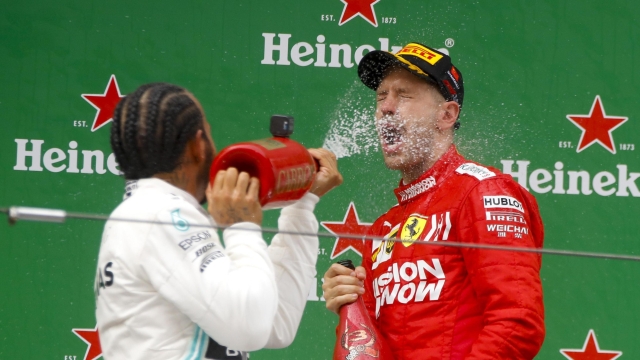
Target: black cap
column 423, row 61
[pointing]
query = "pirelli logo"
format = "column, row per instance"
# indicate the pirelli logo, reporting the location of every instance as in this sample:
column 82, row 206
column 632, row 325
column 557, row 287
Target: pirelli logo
column 422, row 52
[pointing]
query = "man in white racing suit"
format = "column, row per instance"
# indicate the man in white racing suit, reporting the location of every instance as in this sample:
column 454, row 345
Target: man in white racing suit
column 166, row 288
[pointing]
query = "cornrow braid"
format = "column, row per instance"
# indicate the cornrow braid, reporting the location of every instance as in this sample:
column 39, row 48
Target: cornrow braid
column 175, row 127
column 151, row 128
column 185, row 132
column 116, row 144
column 155, row 98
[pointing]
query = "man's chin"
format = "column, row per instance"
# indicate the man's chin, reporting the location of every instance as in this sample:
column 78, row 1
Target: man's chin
column 393, row 162
column 398, row 163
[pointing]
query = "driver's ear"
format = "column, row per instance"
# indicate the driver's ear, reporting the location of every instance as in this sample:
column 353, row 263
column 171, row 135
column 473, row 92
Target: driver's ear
column 196, row 148
column 449, row 112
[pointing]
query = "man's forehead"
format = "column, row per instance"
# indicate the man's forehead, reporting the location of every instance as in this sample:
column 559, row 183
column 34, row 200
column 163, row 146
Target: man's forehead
column 402, row 79
column 393, row 69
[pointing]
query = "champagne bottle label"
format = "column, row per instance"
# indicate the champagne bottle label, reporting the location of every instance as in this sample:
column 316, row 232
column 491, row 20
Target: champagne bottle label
column 359, row 339
column 269, row 144
column 356, row 336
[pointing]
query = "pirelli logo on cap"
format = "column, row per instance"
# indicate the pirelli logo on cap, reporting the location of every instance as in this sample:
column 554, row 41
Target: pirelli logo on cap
column 422, row 52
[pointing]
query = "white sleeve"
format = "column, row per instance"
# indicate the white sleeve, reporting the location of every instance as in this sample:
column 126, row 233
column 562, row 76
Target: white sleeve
column 230, row 293
column 294, row 260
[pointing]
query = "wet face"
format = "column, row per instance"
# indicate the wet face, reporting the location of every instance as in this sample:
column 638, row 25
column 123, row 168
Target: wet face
column 406, row 120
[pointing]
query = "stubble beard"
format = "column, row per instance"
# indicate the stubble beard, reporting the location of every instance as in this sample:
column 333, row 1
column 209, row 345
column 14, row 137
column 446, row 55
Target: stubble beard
column 417, row 144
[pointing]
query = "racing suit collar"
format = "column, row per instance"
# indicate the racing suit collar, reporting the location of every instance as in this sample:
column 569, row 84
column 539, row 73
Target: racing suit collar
column 134, row 186
column 431, row 178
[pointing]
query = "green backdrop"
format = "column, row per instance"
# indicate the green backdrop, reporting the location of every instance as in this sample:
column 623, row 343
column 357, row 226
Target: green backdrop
column 529, row 67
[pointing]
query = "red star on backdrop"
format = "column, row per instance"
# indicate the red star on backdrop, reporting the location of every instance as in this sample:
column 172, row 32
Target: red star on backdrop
column 597, row 127
column 351, row 225
column 590, row 351
column 363, row 8
column 105, row 103
column 90, row 336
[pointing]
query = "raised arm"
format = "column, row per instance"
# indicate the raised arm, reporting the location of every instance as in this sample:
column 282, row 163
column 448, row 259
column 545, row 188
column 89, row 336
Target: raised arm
column 294, row 256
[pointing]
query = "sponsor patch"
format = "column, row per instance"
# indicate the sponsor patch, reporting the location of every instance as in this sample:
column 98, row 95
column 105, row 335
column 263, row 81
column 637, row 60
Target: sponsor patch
column 448, row 85
column 422, row 52
column 103, row 282
column 412, row 229
column 502, row 202
column 506, row 216
column 455, row 74
column 409, row 282
column 417, row 188
column 178, row 222
column 209, row 259
column 477, row 171
column 455, row 81
column 195, row 238
column 383, row 249
column 203, row 250
column 503, row 229
column 129, row 188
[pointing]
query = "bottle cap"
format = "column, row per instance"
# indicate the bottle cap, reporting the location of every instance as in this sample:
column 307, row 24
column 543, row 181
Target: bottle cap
column 281, row 125
column 347, row 263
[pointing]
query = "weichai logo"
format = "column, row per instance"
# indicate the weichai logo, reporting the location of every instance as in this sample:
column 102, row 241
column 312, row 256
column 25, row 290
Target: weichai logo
column 33, row 154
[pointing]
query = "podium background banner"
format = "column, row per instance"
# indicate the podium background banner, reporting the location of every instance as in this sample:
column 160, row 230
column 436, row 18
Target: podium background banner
column 550, row 97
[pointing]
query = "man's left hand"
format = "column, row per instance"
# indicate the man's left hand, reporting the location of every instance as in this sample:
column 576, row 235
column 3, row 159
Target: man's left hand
column 328, row 175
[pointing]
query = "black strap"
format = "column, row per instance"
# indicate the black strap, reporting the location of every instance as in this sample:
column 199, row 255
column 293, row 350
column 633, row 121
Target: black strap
column 216, row 351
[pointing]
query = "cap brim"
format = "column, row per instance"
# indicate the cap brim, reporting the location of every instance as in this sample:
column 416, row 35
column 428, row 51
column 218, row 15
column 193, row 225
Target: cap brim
column 373, row 65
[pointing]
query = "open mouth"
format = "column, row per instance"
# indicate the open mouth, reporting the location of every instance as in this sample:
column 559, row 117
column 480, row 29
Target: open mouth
column 391, row 137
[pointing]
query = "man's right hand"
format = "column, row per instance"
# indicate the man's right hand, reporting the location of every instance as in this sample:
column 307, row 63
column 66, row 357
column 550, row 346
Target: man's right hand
column 342, row 286
column 233, row 198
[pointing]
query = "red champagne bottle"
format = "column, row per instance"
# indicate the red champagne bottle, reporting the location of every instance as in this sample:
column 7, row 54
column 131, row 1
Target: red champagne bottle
column 285, row 168
column 357, row 337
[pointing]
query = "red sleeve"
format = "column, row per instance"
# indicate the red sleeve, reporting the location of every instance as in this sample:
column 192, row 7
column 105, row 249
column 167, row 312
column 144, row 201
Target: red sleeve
column 506, row 283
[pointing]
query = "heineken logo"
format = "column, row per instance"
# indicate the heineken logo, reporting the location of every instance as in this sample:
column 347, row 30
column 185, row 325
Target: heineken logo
column 284, row 51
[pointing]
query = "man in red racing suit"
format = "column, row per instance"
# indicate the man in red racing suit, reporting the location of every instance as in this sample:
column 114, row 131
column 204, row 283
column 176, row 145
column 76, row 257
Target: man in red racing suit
column 442, row 302
column 438, row 302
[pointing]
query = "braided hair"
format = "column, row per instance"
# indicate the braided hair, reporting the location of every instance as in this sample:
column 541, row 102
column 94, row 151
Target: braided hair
column 151, row 128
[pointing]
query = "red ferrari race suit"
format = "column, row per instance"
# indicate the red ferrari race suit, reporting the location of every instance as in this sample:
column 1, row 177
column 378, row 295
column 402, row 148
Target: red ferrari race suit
column 437, row 302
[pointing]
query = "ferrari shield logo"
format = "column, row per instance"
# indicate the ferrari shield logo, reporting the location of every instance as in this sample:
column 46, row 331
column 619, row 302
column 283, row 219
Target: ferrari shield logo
column 412, row 229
